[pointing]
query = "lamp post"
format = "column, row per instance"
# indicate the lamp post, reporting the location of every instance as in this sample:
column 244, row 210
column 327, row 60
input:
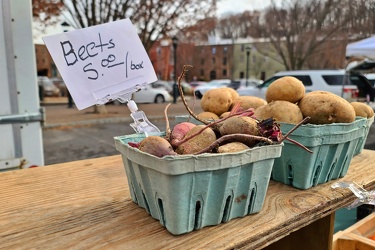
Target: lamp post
column 248, row 49
column 70, row 99
column 174, row 43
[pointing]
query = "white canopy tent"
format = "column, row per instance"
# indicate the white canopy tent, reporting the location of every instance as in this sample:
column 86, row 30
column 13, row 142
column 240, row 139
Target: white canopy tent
column 362, row 48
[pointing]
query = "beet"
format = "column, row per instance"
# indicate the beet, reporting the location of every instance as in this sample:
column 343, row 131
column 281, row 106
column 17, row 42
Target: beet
column 179, row 131
column 156, row 146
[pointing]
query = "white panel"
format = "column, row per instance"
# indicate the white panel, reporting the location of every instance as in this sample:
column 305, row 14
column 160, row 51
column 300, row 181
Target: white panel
column 19, row 89
column 24, row 52
column 6, row 142
column 4, row 93
column 32, row 145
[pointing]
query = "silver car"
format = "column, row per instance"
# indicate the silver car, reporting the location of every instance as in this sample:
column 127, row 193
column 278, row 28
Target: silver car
column 152, row 95
column 201, row 89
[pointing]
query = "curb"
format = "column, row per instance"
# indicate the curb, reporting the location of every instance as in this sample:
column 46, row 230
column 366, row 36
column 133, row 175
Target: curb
column 99, row 121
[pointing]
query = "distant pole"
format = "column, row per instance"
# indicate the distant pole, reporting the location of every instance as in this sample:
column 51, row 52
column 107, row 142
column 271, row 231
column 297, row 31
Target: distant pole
column 248, row 49
column 174, row 43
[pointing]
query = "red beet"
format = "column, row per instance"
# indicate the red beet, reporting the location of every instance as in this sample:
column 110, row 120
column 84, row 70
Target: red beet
column 157, row 146
column 179, row 131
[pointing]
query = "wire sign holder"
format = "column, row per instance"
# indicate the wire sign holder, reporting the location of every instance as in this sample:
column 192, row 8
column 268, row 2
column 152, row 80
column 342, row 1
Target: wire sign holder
column 104, row 63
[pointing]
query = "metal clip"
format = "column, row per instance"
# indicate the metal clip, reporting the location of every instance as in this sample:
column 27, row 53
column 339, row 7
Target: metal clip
column 364, row 196
column 141, row 123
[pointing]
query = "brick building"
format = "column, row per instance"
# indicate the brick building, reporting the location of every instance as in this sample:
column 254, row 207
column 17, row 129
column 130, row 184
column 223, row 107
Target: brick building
column 44, row 63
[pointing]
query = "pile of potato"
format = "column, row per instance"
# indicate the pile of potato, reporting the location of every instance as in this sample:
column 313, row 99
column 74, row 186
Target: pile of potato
column 217, row 103
column 286, row 101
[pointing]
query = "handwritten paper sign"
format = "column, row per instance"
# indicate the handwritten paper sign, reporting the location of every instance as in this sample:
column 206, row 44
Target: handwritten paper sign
column 101, row 61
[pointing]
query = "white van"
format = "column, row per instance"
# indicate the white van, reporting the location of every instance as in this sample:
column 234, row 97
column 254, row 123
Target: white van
column 371, row 78
column 335, row 81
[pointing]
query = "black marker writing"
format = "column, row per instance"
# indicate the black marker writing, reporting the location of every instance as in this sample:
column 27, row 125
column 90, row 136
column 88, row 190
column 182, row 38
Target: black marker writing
column 85, row 69
column 94, row 49
column 69, row 53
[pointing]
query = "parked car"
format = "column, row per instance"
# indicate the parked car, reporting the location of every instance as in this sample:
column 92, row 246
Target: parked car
column 338, row 82
column 163, row 84
column 238, row 83
column 186, row 88
column 47, row 87
column 200, row 90
column 195, row 84
column 59, row 82
column 152, row 95
column 371, row 78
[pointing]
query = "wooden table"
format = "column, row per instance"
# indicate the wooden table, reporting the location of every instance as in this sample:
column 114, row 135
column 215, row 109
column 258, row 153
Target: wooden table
column 86, row 204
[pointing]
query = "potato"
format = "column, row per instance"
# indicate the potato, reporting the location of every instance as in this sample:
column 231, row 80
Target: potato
column 197, row 143
column 232, row 147
column 208, row 116
column 225, row 114
column 218, row 100
column 287, row 88
column 232, row 92
column 324, row 108
column 362, row 109
column 249, row 102
column 281, row 111
column 239, row 125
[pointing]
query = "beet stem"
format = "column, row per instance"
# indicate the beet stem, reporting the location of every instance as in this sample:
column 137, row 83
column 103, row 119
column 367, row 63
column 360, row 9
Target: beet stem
column 232, row 137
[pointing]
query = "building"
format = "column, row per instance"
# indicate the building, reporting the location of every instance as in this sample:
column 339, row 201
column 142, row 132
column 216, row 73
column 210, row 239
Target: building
column 220, row 59
column 161, row 56
column 44, row 63
column 213, row 62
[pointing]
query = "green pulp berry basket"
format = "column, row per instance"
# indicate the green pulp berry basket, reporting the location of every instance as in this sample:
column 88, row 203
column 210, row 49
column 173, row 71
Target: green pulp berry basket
column 362, row 140
column 333, row 146
column 189, row 192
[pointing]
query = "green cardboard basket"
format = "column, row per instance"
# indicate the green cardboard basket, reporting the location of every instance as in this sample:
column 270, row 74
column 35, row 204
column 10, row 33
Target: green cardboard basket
column 189, row 192
column 333, row 147
column 362, row 141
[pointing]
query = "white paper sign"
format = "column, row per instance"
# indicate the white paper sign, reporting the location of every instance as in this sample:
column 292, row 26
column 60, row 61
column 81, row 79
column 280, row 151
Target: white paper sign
column 101, row 61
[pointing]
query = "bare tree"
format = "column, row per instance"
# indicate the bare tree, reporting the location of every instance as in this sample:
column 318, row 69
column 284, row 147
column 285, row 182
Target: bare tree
column 153, row 18
column 240, row 25
column 361, row 19
column 45, row 12
column 299, row 28
column 199, row 32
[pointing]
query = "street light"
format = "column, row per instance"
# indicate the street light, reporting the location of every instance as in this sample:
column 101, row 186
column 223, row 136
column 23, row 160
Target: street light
column 248, row 49
column 174, row 43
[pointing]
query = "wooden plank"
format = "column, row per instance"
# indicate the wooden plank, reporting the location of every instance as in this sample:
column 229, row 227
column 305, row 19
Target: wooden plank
column 86, row 204
column 356, row 236
column 306, row 237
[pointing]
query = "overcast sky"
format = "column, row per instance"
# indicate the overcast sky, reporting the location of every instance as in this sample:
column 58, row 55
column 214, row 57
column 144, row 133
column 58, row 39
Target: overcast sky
column 238, row 6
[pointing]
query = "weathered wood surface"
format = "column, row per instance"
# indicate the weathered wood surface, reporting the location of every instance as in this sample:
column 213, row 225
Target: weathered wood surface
column 86, row 205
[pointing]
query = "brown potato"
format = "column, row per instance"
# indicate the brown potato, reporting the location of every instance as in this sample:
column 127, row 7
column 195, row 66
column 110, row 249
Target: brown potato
column 218, row 100
column 240, row 125
column 362, row 109
column 197, row 143
column 232, row 92
column 207, row 116
column 232, row 147
column 225, row 114
column 249, row 102
column 287, row 88
column 281, row 111
column 324, row 108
